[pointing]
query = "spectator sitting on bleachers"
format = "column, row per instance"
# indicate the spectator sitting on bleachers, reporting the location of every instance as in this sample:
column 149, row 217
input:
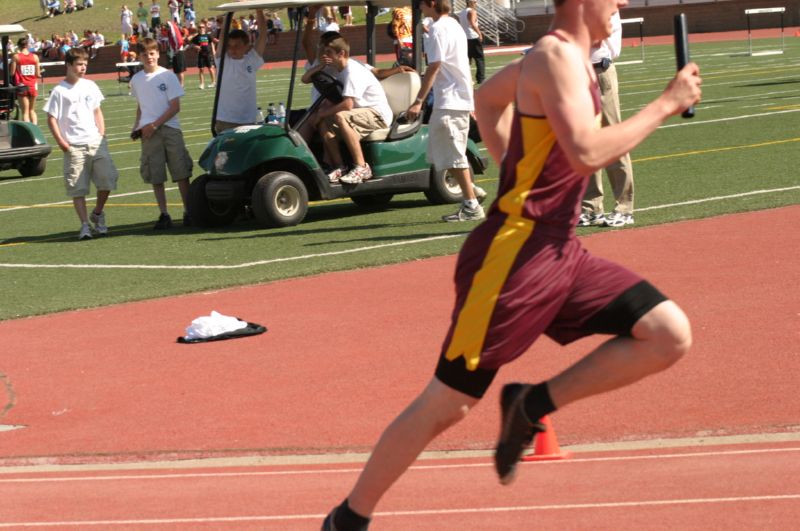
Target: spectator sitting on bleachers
column 88, row 41
column 53, row 8
column 63, row 48
column 72, row 37
column 54, row 50
column 99, row 42
column 124, row 47
column 274, row 26
column 45, row 48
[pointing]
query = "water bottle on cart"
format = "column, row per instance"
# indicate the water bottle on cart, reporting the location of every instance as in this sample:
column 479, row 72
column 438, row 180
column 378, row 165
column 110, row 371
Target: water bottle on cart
column 272, row 118
column 281, row 113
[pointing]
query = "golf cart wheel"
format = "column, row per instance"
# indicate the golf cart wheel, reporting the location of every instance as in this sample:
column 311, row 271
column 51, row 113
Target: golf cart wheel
column 207, row 213
column 444, row 188
column 33, row 167
column 372, row 201
column 280, row 199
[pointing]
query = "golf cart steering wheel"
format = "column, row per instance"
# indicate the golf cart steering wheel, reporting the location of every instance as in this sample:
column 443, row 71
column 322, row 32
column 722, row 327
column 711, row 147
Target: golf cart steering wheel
column 328, row 86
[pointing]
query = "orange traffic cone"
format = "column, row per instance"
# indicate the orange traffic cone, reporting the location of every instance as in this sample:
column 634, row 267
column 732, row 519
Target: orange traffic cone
column 546, row 445
column 797, row 33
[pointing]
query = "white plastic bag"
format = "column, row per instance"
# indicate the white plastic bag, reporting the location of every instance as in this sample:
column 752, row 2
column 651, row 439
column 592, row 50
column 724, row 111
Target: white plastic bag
column 212, row 325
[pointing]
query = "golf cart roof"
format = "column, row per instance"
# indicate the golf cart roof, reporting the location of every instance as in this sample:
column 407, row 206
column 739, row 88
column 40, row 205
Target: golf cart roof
column 275, row 5
column 7, row 30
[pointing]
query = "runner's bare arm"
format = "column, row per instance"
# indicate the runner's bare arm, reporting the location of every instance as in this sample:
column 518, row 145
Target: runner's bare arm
column 494, row 109
column 559, row 74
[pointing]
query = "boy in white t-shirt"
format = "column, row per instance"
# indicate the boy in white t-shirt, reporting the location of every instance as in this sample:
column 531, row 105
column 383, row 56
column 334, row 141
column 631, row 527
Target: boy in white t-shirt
column 158, row 92
column 78, row 127
column 237, row 101
column 448, row 74
column 363, row 109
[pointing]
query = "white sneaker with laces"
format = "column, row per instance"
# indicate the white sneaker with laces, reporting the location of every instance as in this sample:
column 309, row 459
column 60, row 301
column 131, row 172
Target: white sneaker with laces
column 85, row 233
column 591, row 220
column 618, row 219
column 466, row 213
column 336, row 174
column 99, row 221
column 480, row 193
column 358, row 174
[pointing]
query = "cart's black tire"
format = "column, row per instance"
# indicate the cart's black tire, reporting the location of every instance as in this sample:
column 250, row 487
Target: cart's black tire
column 33, row 167
column 444, row 188
column 205, row 213
column 280, row 199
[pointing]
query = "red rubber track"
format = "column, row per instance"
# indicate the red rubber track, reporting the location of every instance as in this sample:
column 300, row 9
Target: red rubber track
column 346, row 351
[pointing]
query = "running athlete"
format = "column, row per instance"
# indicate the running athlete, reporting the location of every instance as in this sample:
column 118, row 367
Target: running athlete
column 27, row 64
column 523, row 272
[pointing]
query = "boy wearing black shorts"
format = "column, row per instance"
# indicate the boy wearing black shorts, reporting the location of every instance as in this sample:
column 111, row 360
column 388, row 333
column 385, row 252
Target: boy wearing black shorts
column 523, row 272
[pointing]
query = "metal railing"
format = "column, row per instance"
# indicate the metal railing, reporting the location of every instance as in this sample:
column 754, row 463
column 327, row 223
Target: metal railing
column 497, row 23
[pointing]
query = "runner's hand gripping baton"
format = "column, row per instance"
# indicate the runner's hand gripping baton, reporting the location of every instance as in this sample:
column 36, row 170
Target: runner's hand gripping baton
column 682, row 51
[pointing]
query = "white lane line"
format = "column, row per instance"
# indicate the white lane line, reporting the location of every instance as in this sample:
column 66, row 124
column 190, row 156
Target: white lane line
column 424, row 512
column 319, row 255
column 719, row 198
column 485, row 463
column 45, row 205
column 234, row 266
column 729, row 119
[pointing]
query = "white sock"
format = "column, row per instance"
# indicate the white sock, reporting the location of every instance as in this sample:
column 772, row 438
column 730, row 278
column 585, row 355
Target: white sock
column 472, row 204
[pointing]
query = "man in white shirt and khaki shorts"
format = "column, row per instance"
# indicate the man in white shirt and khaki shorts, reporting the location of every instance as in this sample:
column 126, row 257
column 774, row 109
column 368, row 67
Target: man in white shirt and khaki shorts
column 363, row 109
column 448, row 74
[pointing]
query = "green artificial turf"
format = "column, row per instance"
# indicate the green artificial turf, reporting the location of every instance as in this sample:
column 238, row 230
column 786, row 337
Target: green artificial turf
column 739, row 153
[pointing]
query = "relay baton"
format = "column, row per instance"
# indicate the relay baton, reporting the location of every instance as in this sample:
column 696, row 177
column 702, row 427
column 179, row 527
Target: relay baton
column 682, row 51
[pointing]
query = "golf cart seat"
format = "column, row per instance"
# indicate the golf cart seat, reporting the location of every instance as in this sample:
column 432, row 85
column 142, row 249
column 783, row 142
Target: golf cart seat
column 401, row 91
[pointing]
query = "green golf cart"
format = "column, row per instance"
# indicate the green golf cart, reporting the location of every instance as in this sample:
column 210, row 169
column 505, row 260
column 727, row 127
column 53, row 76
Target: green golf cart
column 271, row 172
column 22, row 145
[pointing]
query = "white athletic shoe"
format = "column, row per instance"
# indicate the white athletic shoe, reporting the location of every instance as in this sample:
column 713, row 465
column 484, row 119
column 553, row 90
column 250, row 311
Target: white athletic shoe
column 591, row 220
column 617, row 219
column 480, row 193
column 85, row 233
column 99, row 221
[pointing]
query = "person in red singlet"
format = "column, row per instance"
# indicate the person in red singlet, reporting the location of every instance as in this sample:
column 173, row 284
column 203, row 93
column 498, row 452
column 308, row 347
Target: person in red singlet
column 523, row 272
column 27, row 64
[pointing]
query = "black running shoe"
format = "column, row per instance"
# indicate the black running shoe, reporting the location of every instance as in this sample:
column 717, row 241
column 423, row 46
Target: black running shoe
column 327, row 524
column 516, row 431
column 164, row 222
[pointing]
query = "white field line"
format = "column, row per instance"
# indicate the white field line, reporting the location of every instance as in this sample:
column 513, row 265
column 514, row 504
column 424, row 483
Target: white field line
column 718, row 198
column 682, row 124
column 69, row 201
column 234, row 266
column 729, row 119
column 305, row 471
column 424, row 512
column 331, row 253
column 34, row 179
